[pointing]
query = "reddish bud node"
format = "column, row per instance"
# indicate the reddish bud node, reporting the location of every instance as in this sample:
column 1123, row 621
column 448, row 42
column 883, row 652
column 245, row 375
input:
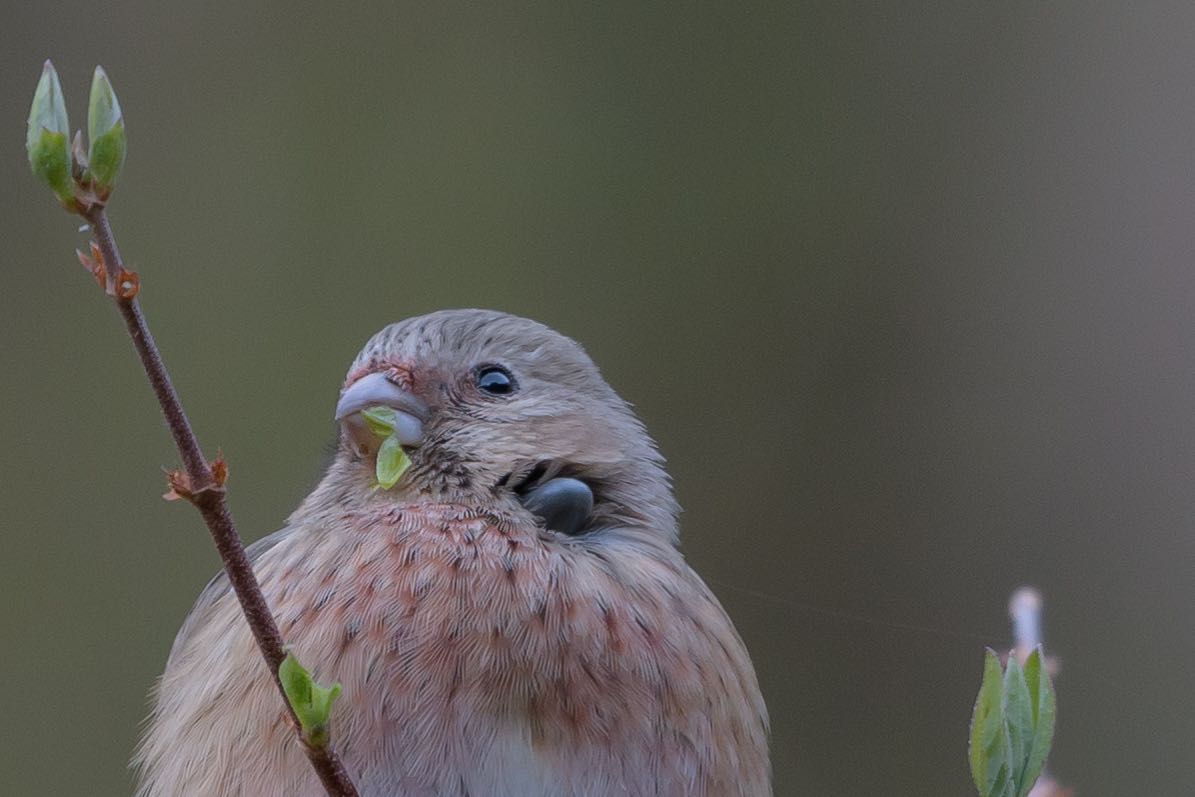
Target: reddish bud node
column 128, row 284
column 219, row 468
column 180, row 486
column 96, row 269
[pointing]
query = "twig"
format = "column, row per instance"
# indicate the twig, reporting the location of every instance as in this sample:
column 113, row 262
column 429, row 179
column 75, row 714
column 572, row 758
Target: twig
column 202, row 483
column 83, row 181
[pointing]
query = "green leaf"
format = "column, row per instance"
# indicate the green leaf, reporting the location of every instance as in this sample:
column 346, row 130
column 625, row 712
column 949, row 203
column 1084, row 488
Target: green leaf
column 47, row 134
column 1042, row 705
column 392, row 463
column 51, row 162
column 1018, row 718
column 989, row 748
column 382, row 420
column 105, row 132
column 1003, row 787
column 312, row 703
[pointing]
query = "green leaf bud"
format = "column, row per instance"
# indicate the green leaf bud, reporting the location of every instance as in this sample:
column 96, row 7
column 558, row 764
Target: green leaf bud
column 47, row 136
column 990, row 745
column 105, row 132
column 311, row 702
column 1043, row 705
column 1012, row 726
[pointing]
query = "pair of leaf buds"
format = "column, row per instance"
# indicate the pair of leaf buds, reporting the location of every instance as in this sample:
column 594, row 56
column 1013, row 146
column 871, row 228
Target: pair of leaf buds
column 78, row 178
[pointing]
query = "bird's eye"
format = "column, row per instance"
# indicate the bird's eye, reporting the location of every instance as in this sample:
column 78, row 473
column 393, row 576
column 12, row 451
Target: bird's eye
column 495, row 380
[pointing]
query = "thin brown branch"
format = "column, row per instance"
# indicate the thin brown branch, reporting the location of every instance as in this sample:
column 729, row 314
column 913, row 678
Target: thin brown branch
column 205, row 489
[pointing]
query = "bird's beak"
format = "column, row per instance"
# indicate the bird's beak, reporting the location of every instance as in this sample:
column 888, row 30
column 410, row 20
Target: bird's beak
column 373, row 390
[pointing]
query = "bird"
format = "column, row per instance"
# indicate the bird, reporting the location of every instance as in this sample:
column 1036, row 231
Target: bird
column 514, row 618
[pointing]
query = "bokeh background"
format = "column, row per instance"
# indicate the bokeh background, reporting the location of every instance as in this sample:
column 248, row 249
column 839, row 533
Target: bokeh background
column 905, row 292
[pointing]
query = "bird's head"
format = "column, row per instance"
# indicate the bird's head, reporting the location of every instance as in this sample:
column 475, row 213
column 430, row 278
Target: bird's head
column 490, row 405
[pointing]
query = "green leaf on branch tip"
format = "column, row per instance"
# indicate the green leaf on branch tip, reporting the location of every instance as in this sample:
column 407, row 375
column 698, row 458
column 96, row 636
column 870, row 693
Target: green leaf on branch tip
column 105, row 132
column 392, row 461
column 1012, row 726
column 1042, row 705
column 989, row 749
column 311, row 702
column 1018, row 716
column 46, row 137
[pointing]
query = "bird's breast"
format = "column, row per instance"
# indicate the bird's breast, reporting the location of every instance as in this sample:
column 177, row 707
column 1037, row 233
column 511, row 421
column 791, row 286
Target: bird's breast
column 462, row 636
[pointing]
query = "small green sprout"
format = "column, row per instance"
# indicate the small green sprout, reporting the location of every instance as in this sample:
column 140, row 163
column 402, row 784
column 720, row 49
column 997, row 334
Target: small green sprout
column 105, row 133
column 46, row 138
column 311, row 702
column 1012, row 726
column 51, row 155
column 392, row 461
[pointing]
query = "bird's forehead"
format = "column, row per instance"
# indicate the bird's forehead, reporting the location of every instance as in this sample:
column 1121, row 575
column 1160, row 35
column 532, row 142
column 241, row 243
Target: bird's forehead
column 452, row 339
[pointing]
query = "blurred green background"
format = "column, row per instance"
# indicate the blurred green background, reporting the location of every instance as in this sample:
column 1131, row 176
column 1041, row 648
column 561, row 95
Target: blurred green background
column 905, row 294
